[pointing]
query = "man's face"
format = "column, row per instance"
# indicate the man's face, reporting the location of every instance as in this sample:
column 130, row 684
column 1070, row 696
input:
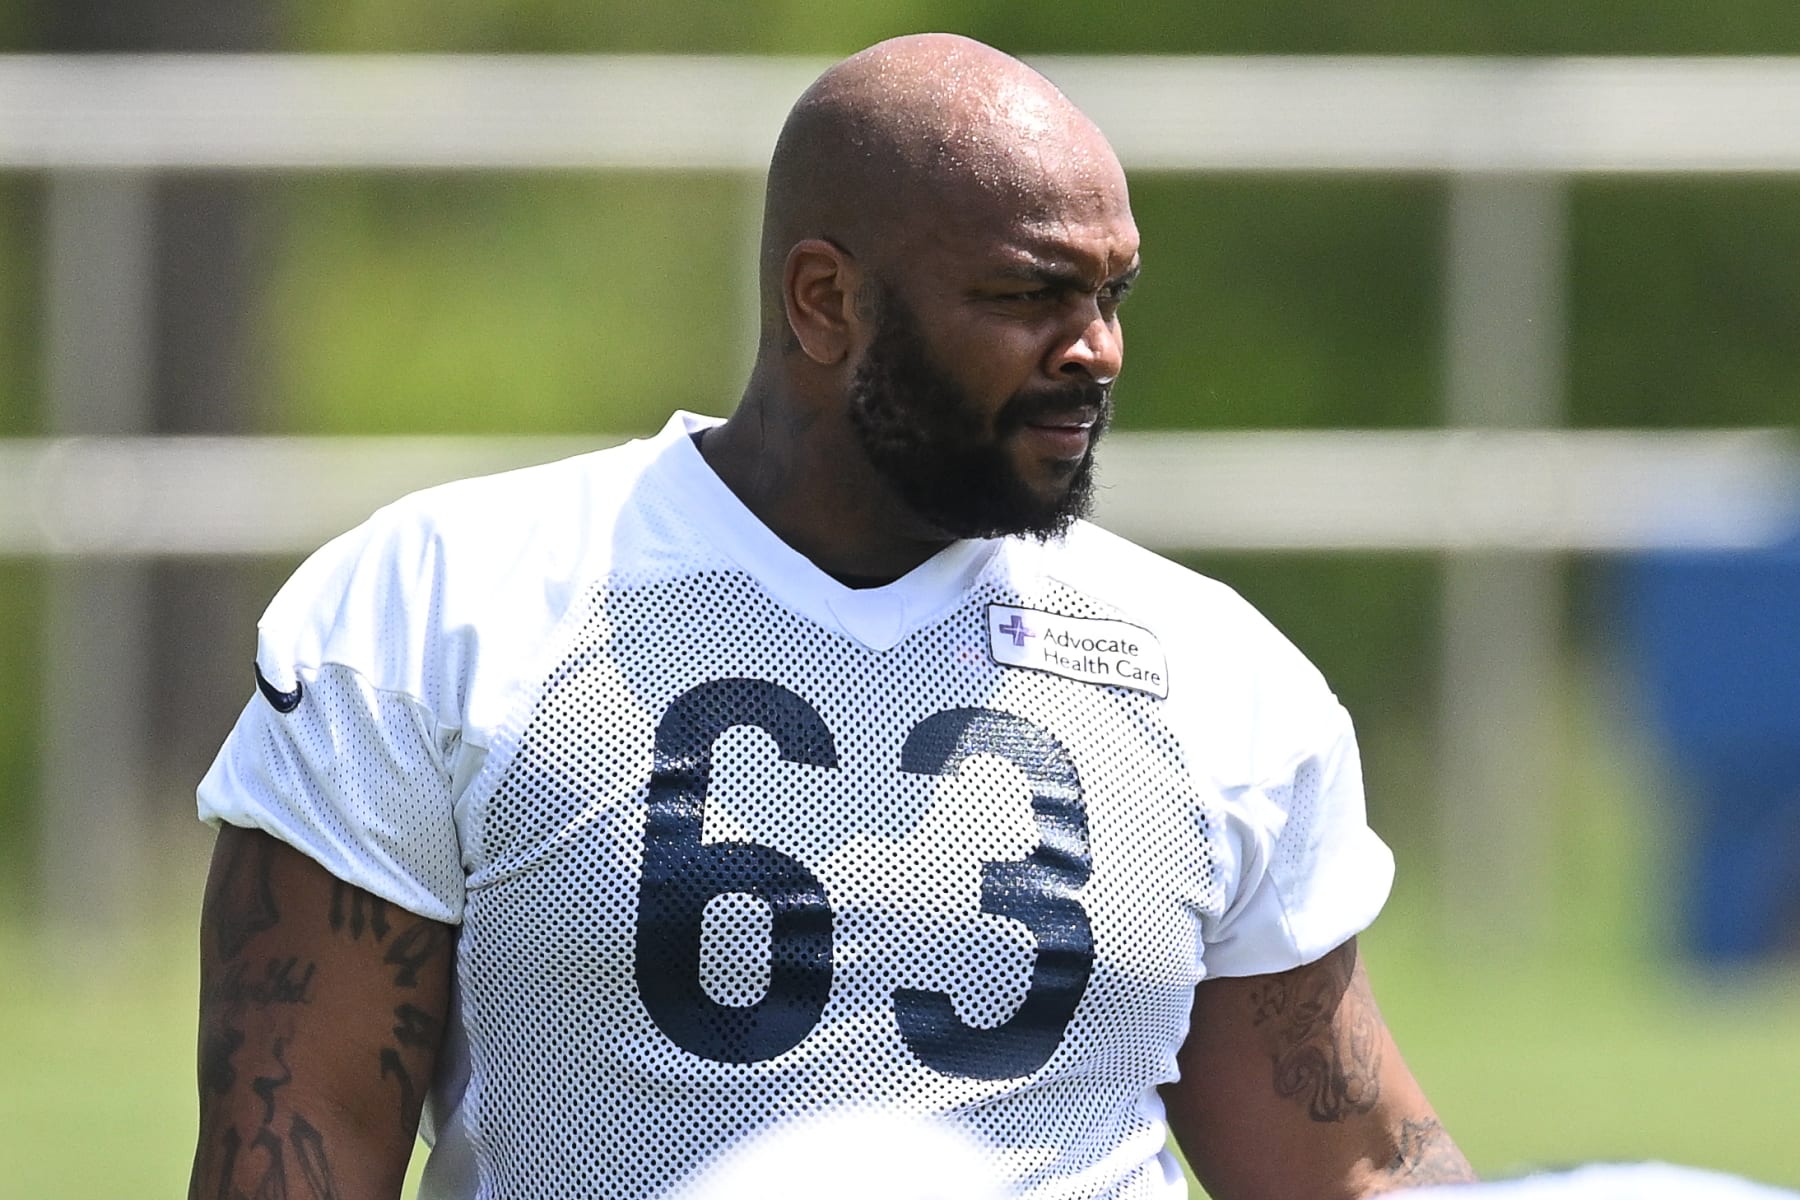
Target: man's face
column 993, row 335
column 967, row 469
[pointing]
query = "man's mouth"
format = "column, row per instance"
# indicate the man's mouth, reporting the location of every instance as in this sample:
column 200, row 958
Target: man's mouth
column 1065, row 434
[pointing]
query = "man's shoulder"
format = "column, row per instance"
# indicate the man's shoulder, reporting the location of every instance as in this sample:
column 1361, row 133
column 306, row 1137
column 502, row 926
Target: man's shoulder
column 514, row 548
column 472, row 535
column 571, row 489
column 551, row 517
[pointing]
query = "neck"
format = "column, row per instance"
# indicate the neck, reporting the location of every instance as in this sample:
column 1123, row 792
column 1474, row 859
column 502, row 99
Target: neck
column 800, row 470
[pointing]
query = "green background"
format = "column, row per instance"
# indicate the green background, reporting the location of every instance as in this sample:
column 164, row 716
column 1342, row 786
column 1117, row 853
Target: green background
column 575, row 301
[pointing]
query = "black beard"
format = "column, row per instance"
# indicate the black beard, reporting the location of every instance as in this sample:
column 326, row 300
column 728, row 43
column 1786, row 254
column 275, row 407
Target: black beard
column 927, row 439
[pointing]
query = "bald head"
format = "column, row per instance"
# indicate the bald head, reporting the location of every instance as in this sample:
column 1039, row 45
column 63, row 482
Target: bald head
column 916, row 132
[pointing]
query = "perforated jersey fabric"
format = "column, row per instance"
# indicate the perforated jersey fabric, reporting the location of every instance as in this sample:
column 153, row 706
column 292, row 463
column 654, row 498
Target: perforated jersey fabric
column 730, row 843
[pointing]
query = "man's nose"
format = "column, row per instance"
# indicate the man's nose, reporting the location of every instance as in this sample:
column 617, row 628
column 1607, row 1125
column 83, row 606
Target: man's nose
column 1096, row 352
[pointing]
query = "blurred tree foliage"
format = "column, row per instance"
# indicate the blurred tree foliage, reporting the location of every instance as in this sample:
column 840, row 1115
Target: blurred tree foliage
column 19, row 390
column 1283, row 303
column 21, row 612
column 465, row 303
column 1062, row 26
column 1025, row 26
column 20, row 581
column 1686, row 303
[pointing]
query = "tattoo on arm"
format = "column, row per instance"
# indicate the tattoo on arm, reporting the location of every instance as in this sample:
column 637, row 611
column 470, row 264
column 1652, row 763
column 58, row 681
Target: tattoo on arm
column 1426, row 1155
column 414, row 949
column 308, row 1145
column 265, row 1085
column 254, row 1144
column 409, row 1093
column 416, row 1030
column 309, row 1151
column 217, row 1075
column 244, row 903
column 359, row 910
column 1323, row 1036
column 284, row 981
column 274, row 1181
column 247, row 1023
column 230, row 1143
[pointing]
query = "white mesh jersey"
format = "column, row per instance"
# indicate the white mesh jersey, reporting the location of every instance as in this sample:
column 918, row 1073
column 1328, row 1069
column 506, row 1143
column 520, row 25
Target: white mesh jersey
column 730, row 843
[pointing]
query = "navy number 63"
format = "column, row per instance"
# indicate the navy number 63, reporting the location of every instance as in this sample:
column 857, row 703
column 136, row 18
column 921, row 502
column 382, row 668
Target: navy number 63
column 682, row 874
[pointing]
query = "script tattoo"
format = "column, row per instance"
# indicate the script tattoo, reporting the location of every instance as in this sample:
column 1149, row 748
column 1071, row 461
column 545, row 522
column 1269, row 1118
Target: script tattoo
column 230, row 1143
column 264, row 1085
column 252, row 1145
column 355, row 912
column 409, row 1094
column 359, row 910
column 1426, row 1155
column 283, row 981
column 308, row 1145
column 309, row 1151
column 416, row 1030
column 413, row 949
column 264, row 1044
column 217, row 1075
column 273, row 1185
column 1323, row 1036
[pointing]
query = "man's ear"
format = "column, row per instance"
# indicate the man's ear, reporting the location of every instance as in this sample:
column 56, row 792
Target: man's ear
column 820, row 288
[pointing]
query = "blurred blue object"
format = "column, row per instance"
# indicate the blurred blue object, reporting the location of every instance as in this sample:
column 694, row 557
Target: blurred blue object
column 1717, row 640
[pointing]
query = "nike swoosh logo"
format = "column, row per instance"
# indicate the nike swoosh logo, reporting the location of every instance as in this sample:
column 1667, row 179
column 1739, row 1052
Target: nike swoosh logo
column 283, row 702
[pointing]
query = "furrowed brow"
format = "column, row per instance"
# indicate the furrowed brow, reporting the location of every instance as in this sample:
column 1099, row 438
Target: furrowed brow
column 1063, row 276
column 1051, row 275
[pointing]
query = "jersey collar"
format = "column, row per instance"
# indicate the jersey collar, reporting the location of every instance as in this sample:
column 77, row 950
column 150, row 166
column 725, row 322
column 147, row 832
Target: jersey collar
column 878, row 618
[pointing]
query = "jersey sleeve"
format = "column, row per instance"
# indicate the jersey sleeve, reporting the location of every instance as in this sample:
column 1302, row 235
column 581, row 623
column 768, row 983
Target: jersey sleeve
column 343, row 754
column 1307, row 872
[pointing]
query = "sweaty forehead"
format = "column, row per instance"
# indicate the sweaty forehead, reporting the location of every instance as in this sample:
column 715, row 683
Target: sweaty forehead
column 1048, row 191
column 965, row 131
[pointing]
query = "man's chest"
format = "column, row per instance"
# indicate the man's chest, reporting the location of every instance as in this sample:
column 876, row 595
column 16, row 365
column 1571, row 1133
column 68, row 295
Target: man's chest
column 740, row 834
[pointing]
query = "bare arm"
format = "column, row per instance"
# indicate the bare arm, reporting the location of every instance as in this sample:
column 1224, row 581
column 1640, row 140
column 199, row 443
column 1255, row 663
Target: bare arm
column 321, row 1011
column 1291, row 1087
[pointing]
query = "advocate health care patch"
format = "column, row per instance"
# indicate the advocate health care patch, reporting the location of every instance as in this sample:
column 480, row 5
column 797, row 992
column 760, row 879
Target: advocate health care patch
column 1085, row 649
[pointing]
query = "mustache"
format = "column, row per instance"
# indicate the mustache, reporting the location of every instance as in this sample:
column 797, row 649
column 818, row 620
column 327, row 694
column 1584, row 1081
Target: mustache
column 1027, row 408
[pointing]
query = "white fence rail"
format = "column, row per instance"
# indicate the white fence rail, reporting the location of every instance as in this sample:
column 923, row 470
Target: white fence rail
column 1560, row 116
column 1460, row 490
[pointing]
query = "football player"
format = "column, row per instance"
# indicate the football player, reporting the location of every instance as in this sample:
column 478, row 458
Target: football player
column 823, row 758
